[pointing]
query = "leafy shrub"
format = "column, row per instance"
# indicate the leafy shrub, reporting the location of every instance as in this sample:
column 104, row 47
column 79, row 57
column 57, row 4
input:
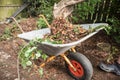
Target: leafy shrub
column 114, row 29
column 83, row 9
column 6, row 35
column 30, row 52
column 41, row 23
column 40, row 7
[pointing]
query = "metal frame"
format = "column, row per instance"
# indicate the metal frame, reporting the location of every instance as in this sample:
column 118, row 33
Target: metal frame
column 62, row 55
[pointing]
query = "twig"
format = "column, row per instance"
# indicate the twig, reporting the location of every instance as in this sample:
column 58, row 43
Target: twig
column 18, row 69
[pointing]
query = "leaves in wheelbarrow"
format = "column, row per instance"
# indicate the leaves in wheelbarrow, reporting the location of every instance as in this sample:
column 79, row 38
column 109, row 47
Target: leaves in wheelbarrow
column 62, row 30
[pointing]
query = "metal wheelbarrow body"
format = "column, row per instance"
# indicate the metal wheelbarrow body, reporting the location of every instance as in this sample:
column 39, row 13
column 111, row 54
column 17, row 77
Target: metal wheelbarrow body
column 56, row 49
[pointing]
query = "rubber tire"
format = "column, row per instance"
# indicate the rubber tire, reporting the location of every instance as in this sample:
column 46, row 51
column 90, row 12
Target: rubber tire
column 84, row 62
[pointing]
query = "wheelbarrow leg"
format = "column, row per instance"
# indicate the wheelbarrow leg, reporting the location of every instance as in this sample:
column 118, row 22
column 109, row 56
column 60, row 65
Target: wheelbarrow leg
column 68, row 61
column 73, row 49
column 48, row 60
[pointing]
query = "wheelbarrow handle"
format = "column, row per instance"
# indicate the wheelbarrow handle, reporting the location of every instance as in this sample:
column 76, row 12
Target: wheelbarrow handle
column 45, row 20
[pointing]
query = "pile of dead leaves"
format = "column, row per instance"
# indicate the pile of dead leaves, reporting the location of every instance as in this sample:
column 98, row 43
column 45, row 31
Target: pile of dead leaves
column 62, row 30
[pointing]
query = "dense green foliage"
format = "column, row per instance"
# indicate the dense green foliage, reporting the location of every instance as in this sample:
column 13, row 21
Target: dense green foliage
column 30, row 52
column 82, row 10
column 114, row 29
column 6, row 34
column 41, row 23
column 40, row 7
column 114, row 21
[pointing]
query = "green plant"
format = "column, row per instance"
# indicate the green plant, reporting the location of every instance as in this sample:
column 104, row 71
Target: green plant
column 30, row 52
column 6, row 35
column 113, row 52
column 83, row 10
column 40, row 7
column 40, row 71
column 41, row 23
column 114, row 29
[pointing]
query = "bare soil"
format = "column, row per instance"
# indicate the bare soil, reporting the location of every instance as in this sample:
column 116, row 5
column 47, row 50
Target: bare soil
column 55, row 70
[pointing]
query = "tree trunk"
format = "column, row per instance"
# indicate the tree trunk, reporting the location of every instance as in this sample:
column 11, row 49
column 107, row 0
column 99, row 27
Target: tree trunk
column 64, row 8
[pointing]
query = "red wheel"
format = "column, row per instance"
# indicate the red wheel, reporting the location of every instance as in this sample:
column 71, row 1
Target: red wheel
column 84, row 69
column 79, row 69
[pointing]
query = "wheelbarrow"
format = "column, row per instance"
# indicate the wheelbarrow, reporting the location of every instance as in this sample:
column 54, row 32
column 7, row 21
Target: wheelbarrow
column 77, row 65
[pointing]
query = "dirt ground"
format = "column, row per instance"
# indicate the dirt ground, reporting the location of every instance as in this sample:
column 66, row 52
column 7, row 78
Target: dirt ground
column 55, row 70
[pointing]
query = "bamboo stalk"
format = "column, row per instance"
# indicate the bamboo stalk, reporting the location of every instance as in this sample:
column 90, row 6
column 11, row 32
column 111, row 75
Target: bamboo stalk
column 104, row 3
column 96, row 17
column 92, row 13
column 87, row 17
column 108, row 10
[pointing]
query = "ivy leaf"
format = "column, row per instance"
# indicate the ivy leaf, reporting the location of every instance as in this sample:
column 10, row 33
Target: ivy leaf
column 29, row 51
column 31, row 43
column 41, row 23
column 28, row 63
column 40, row 71
column 23, row 64
column 108, row 29
column 44, row 56
column 38, row 54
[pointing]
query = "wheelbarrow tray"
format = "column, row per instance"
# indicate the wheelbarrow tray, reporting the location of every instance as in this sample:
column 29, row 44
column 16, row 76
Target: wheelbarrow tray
column 56, row 49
